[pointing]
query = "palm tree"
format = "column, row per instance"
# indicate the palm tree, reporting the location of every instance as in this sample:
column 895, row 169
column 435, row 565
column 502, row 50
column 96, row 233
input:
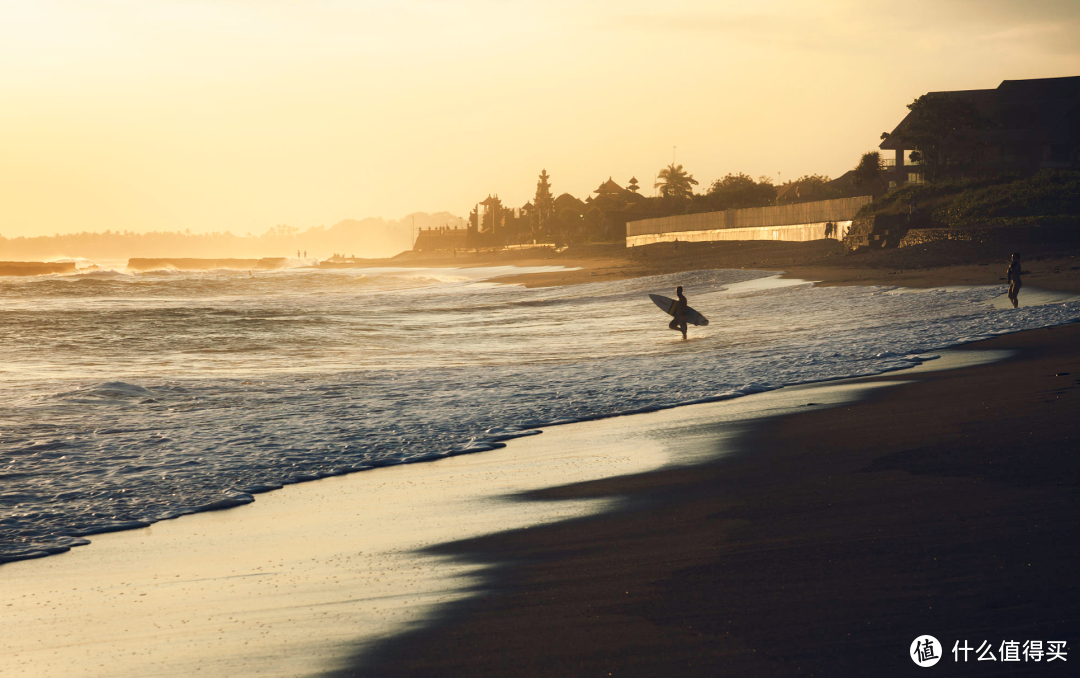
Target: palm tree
column 675, row 182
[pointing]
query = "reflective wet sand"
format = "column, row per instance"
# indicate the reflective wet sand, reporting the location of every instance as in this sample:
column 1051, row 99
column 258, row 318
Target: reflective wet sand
column 297, row 581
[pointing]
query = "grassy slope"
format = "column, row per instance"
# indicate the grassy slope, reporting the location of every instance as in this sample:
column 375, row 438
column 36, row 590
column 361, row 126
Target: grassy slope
column 1048, row 197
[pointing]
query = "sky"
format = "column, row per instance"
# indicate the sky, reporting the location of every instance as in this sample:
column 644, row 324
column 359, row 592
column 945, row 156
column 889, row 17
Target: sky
column 236, row 115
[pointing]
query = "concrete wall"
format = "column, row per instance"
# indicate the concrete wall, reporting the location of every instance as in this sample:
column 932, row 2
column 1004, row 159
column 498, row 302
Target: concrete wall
column 802, row 221
column 791, row 232
column 444, row 239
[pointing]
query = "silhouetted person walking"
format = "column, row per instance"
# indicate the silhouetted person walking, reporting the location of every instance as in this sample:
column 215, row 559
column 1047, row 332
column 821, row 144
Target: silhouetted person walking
column 1014, row 279
column 679, row 321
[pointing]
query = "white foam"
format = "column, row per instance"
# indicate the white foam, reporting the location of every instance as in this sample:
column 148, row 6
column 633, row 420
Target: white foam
column 159, row 396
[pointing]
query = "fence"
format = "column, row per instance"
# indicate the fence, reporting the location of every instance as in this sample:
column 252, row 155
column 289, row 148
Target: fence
column 817, row 212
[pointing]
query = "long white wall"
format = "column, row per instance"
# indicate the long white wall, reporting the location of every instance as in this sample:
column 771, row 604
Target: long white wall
column 793, row 232
column 798, row 222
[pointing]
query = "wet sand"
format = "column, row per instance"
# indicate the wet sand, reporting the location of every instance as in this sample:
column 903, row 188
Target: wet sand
column 303, row 579
column 824, row 545
column 299, row 581
column 288, row 585
column 818, row 543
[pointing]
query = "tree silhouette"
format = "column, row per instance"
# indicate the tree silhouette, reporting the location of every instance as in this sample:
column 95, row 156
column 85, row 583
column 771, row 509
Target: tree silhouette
column 868, row 172
column 739, row 190
column 676, row 183
column 544, row 202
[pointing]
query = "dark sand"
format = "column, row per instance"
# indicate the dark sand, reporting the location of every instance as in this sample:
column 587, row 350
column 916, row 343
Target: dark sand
column 947, row 506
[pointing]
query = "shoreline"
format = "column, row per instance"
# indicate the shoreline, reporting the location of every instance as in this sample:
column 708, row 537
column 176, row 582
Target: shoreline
column 208, row 579
column 245, row 497
column 654, row 493
column 1052, row 267
column 283, row 586
column 828, row 542
column 211, row 590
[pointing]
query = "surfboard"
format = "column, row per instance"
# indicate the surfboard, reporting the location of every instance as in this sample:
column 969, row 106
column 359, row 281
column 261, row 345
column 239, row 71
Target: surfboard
column 668, row 306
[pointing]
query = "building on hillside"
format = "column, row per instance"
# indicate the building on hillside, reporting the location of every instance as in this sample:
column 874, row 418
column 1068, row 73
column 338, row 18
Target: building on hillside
column 493, row 216
column 491, row 224
column 608, row 212
column 611, row 189
column 1029, row 125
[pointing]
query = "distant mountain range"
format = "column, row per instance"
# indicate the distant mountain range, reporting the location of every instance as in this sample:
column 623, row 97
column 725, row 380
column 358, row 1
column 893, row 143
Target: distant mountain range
column 371, row 237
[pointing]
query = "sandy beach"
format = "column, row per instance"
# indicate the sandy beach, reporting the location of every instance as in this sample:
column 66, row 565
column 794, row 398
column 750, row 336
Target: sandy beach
column 304, row 578
column 814, row 530
column 826, row 543
column 1049, row 266
column 288, row 585
column 372, row 339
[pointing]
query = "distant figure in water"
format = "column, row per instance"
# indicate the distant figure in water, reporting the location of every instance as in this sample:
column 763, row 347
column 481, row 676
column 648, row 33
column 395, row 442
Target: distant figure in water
column 297, row 254
column 679, row 321
column 1014, row 279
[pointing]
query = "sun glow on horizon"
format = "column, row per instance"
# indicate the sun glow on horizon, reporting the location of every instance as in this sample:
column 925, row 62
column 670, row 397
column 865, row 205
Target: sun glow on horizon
column 236, row 116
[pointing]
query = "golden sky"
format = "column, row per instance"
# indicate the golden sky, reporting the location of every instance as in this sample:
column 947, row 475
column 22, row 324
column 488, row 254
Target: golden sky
column 238, row 115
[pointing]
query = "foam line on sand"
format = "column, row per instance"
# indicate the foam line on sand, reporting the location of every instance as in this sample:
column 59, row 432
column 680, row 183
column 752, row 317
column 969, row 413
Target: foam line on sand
column 296, row 582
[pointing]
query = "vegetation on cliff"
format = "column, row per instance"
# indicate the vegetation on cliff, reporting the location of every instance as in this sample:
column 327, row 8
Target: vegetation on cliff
column 1047, row 197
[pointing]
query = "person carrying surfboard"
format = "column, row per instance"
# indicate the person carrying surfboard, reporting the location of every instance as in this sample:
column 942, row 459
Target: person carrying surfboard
column 682, row 314
column 678, row 322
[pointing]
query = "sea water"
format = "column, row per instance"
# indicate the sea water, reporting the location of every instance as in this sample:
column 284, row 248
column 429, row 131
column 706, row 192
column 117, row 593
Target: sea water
column 129, row 398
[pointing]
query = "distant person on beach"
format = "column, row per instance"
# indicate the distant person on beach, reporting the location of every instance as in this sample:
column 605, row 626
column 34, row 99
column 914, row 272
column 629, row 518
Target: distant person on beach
column 297, row 254
column 679, row 321
column 1014, row 279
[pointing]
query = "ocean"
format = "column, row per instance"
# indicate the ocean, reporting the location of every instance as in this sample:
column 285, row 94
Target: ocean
column 132, row 398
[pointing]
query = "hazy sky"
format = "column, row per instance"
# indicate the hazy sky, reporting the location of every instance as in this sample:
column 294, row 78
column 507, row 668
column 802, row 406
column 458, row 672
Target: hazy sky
column 238, row 115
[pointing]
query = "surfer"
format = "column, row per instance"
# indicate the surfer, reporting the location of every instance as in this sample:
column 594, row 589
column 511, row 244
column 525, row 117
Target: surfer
column 1014, row 279
column 679, row 321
